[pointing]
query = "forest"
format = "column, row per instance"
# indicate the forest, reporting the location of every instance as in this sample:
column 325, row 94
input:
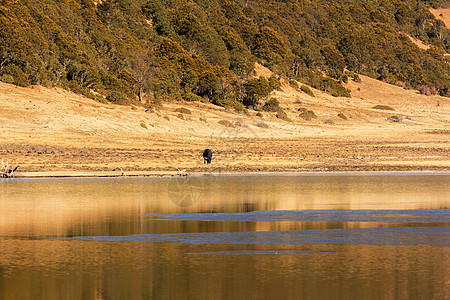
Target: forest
column 151, row 51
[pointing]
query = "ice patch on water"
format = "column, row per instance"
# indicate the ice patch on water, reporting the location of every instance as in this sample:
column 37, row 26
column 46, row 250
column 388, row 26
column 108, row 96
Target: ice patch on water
column 257, row 252
column 408, row 236
column 386, row 216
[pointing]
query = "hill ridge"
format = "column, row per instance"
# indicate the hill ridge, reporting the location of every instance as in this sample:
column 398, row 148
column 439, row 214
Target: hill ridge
column 206, row 50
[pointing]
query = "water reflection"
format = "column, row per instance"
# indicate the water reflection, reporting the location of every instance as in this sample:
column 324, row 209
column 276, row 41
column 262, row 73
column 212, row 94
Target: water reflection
column 231, row 237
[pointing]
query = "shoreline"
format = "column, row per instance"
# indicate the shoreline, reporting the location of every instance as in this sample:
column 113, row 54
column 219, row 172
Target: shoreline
column 158, row 174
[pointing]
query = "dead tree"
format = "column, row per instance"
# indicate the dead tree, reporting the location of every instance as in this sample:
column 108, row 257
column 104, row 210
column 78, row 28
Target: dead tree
column 7, row 171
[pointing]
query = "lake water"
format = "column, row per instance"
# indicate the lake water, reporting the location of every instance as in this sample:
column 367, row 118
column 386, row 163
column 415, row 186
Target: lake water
column 312, row 236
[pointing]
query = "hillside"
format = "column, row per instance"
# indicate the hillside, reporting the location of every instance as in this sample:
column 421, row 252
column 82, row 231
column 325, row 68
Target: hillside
column 50, row 129
column 161, row 50
column 273, row 86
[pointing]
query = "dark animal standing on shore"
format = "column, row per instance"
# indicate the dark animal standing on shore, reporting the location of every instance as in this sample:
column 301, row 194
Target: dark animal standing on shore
column 207, row 156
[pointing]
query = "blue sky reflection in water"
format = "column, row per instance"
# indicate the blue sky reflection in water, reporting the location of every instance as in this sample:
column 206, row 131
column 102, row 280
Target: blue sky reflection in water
column 244, row 237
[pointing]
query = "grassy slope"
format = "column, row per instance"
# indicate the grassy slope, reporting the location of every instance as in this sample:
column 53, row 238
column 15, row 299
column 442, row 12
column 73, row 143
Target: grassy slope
column 52, row 129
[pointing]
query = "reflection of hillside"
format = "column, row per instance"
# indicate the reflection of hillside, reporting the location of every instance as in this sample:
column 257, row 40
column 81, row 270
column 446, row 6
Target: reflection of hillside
column 111, row 207
column 34, row 267
column 165, row 271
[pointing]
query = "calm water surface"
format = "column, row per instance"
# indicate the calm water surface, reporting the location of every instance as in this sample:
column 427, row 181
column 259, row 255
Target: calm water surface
column 312, row 236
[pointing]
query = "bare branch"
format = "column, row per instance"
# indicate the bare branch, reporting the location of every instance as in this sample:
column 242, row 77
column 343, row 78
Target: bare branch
column 7, row 171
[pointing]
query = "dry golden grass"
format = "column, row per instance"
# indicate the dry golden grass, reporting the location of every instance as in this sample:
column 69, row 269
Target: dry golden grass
column 443, row 13
column 85, row 135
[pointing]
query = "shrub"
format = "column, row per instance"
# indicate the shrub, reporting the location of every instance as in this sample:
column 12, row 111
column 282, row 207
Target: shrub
column 226, row 123
column 229, row 102
column 281, row 114
column 382, row 107
column 272, row 105
column 307, row 114
column 355, row 77
column 77, row 89
column 192, row 97
column 15, row 75
column 274, row 82
column 342, row 116
column 262, row 125
column 307, row 90
column 426, row 90
column 7, row 78
column 116, row 97
column 255, row 90
column 100, row 99
column 183, row 110
column 293, row 84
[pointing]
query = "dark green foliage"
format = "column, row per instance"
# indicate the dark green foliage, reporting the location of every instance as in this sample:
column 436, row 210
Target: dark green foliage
column 153, row 50
column 256, row 90
column 160, row 17
column 271, row 105
column 274, row 82
column 192, row 97
column 334, row 60
column 117, row 97
column 268, row 46
column 307, row 90
column 229, row 102
column 13, row 74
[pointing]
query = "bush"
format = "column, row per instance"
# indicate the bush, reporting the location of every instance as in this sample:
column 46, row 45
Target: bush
column 256, row 90
column 293, row 84
column 307, row 114
column 100, row 99
column 7, row 78
column 77, row 89
column 426, row 90
column 274, row 82
column 226, row 123
column 192, row 97
column 262, row 125
column 307, row 90
column 117, row 97
column 342, row 116
column 15, row 75
column 281, row 114
column 229, row 102
column 355, row 77
column 183, row 110
column 382, row 107
column 272, row 105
